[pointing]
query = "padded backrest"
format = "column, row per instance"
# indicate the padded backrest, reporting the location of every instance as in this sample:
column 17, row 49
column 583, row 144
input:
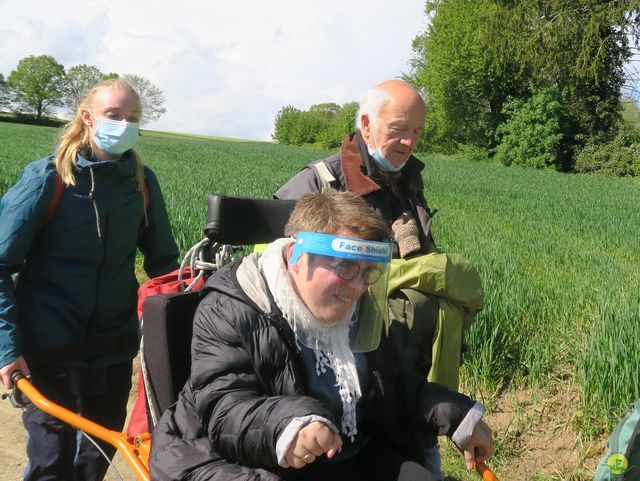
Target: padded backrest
column 168, row 318
column 168, row 325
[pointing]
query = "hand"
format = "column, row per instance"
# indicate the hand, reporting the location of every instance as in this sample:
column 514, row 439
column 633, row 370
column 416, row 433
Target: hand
column 17, row 365
column 313, row 440
column 479, row 446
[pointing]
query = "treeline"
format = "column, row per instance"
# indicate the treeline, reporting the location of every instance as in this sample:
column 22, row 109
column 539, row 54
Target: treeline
column 39, row 86
column 543, row 84
column 323, row 125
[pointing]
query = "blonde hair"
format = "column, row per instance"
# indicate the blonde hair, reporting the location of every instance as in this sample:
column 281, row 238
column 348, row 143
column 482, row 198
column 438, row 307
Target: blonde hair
column 75, row 135
column 331, row 211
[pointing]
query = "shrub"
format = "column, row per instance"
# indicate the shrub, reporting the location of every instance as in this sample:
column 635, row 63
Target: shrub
column 620, row 156
column 323, row 125
column 531, row 136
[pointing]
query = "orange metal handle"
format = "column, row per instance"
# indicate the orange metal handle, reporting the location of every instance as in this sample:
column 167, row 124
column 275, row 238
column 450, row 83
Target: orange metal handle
column 485, row 472
column 117, row 439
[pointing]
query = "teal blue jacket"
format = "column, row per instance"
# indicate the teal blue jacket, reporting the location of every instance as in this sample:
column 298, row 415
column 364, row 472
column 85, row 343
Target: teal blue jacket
column 76, row 284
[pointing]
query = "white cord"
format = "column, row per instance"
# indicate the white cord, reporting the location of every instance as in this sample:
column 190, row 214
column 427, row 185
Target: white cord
column 113, row 466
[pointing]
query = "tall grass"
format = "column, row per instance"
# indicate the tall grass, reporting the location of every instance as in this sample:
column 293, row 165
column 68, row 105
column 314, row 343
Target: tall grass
column 558, row 254
column 559, row 257
column 610, row 373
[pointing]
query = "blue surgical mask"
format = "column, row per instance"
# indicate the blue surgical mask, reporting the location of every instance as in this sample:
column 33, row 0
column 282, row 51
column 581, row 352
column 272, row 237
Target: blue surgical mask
column 377, row 155
column 115, row 136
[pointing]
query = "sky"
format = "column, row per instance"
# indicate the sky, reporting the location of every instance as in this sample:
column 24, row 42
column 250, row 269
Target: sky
column 226, row 67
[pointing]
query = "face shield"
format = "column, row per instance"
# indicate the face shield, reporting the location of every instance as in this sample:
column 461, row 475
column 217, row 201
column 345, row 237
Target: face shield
column 346, row 280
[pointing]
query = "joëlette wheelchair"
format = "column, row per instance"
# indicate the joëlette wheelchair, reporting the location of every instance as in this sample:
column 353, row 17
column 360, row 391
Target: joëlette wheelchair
column 167, row 326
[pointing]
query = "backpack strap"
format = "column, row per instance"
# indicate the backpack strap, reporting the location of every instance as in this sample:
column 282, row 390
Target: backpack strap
column 145, row 195
column 325, row 175
column 57, row 194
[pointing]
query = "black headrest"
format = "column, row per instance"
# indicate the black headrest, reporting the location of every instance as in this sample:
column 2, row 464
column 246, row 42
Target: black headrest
column 245, row 221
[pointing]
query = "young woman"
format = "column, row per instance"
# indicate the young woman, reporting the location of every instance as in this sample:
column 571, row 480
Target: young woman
column 70, row 228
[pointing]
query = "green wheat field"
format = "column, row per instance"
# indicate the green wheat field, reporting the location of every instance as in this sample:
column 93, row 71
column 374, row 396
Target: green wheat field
column 559, row 254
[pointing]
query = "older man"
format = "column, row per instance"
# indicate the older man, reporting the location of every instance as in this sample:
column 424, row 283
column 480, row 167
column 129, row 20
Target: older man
column 376, row 163
column 290, row 379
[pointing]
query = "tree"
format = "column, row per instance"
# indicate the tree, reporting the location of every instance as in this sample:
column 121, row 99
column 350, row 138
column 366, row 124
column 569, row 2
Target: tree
column 323, row 124
column 152, row 98
column 579, row 46
column 464, row 91
column 77, row 82
column 531, row 135
column 342, row 123
column 631, row 112
column 36, row 84
column 296, row 127
column 475, row 55
column 286, row 121
column 328, row 108
column 4, row 92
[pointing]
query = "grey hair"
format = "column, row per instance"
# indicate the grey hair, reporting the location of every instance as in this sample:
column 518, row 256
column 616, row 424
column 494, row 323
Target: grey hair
column 372, row 103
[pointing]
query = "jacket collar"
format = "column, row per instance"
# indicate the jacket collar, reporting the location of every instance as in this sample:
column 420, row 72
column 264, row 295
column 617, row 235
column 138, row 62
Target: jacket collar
column 125, row 165
column 358, row 168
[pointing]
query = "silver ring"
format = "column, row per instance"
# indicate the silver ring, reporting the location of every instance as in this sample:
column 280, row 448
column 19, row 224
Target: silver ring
column 306, row 457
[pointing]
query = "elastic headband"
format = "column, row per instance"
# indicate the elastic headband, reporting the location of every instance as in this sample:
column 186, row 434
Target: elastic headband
column 339, row 246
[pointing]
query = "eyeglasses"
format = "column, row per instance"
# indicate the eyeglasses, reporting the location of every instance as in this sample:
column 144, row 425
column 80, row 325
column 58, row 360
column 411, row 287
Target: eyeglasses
column 347, row 270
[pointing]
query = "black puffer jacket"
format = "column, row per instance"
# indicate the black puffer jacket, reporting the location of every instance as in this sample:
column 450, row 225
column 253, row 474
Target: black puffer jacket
column 247, row 383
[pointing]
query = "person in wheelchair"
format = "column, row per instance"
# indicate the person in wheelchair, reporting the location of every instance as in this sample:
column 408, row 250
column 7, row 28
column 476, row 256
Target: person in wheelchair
column 290, row 376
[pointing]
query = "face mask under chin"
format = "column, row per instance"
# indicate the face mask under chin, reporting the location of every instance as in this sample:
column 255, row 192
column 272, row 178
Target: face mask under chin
column 377, row 155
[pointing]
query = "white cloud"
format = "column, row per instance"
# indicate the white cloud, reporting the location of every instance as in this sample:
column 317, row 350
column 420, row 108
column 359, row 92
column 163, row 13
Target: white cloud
column 226, row 67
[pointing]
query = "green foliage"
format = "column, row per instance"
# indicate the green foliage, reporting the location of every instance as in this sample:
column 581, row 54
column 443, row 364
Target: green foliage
column 451, row 62
column 473, row 56
column 294, row 127
column 151, row 97
column 4, row 92
column 77, row 82
column 531, row 135
column 631, row 112
column 36, row 84
column 339, row 125
column 330, row 108
column 620, row 156
column 324, row 125
column 471, row 152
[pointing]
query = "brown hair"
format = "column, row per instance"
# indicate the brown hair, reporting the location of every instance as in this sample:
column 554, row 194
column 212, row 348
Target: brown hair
column 331, row 211
column 75, row 136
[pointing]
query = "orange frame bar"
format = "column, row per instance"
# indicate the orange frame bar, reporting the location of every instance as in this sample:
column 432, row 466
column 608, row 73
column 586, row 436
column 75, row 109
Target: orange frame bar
column 136, row 454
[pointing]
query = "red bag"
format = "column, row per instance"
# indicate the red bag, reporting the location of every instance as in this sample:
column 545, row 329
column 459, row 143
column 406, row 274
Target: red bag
column 169, row 283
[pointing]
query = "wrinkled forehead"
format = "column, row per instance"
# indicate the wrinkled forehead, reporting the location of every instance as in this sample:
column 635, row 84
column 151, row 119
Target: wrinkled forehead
column 412, row 112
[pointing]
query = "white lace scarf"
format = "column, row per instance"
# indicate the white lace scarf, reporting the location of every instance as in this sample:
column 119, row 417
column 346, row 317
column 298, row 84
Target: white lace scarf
column 329, row 342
